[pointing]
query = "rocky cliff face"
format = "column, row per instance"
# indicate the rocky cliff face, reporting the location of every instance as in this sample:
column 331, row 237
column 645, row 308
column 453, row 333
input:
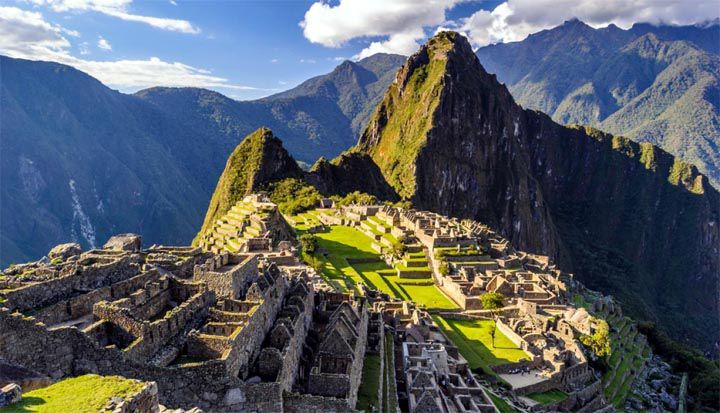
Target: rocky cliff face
column 627, row 218
column 331, row 177
column 259, row 159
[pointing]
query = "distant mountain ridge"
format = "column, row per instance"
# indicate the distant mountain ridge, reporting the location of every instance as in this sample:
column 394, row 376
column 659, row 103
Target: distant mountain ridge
column 323, row 116
column 657, row 84
column 80, row 161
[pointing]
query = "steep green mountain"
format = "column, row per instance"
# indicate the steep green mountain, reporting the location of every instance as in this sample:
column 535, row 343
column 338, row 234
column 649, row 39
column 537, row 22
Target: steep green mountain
column 322, row 116
column 80, row 161
column 259, row 159
column 627, row 218
column 657, row 84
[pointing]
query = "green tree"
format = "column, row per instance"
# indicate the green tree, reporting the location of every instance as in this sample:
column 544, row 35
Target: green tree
column 308, row 244
column 443, row 267
column 599, row 341
column 399, row 248
column 492, row 302
column 293, row 195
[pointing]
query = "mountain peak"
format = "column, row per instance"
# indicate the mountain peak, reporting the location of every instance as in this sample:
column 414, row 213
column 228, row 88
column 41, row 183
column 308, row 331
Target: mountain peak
column 260, row 158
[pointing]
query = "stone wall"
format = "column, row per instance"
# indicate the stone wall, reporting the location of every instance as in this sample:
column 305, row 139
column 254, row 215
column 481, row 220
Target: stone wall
column 144, row 401
column 232, row 282
column 307, row 403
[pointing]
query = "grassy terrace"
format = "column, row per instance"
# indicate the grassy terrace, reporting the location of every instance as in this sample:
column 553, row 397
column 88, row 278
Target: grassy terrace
column 367, row 394
column 472, row 337
column 550, row 396
column 83, row 394
column 341, row 243
column 501, row 404
column 626, row 361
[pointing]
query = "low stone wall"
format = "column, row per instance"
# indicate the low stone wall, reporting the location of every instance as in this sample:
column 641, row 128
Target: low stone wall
column 307, row 403
column 144, row 401
column 49, row 292
column 513, row 336
column 232, row 283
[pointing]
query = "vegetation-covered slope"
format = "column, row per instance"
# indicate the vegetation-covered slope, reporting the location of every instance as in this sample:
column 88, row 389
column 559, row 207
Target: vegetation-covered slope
column 656, row 84
column 259, row 159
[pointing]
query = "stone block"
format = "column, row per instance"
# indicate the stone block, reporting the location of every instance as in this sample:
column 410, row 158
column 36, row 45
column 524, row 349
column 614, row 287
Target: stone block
column 65, row 251
column 12, row 393
column 124, row 242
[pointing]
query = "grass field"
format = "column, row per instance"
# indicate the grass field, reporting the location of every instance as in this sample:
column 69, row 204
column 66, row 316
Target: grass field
column 368, row 391
column 547, row 397
column 501, row 404
column 423, row 291
column 83, row 394
column 473, row 339
column 341, row 243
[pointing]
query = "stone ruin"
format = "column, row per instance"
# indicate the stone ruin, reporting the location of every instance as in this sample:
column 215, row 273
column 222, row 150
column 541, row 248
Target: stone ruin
column 219, row 331
column 252, row 225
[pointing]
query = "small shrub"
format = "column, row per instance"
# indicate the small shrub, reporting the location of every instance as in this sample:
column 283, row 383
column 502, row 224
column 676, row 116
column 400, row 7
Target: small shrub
column 308, row 243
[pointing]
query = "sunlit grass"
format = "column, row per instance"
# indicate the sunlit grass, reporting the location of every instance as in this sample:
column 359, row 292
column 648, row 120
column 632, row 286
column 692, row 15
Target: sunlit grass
column 83, row 394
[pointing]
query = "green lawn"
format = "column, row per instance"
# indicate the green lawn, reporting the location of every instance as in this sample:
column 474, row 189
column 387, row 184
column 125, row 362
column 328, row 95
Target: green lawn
column 547, row 397
column 501, row 404
column 422, row 291
column 341, row 243
column 83, row 394
column 367, row 394
column 472, row 337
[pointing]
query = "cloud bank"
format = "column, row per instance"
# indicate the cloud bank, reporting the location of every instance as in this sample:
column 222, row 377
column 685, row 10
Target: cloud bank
column 402, row 24
column 27, row 35
column 119, row 9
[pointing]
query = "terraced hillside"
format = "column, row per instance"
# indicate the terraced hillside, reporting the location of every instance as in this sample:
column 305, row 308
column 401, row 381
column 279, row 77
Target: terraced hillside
column 244, row 221
column 629, row 354
column 348, row 256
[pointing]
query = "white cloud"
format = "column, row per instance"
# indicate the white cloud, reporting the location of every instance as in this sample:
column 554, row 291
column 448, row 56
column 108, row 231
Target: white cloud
column 274, row 60
column 313, row 61
column 27, row 35
column 119, row 9
column 104, row 44
column 514, row 20
column 84, row 48
column 401, row 22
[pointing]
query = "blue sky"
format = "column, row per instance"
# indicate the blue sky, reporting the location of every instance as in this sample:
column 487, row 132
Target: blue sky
column 249, row 49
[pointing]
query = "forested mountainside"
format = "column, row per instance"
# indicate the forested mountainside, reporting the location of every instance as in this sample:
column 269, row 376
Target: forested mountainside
column 627, row 218
column 80, row 161
column 657, row 84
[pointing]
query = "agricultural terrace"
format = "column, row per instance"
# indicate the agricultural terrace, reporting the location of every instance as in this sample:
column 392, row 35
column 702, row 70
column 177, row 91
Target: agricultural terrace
column 474, row 340
column 345, row 258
